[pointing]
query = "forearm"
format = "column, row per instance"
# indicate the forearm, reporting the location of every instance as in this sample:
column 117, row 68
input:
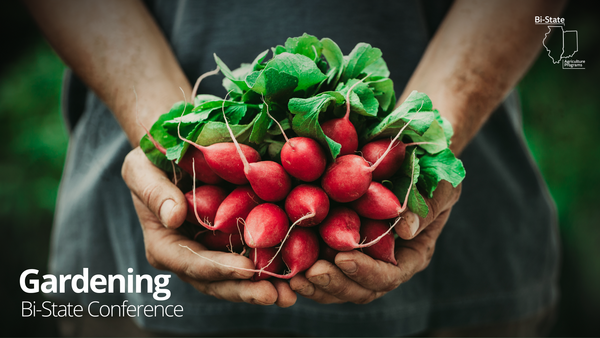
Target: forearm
column 114, row 47
column 477, row 56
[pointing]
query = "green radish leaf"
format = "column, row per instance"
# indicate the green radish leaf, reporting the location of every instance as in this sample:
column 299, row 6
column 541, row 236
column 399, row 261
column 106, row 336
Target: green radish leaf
column 416, row 107
column 306, row 119
column 401, row 181
column 359, row 58
column 362, row 98
column 272, row 83
column 207, row 111
column 377, row 69
column 306, row 45
column 383, row 89
column 278, row 50
column 448, row 131
column 435, row 135
column 160, row 135
column 441, row 166
column 274, row 150
column 335, row 58
column 202, row 98
column 216, row 132
column 295, row 65
column 229, row 75
column 257, row 64
column 260, row 127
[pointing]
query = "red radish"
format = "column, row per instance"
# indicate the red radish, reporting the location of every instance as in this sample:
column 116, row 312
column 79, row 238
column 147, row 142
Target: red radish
column 222, row 157
column 265, row 226
column 203, row 203
column 268, row 179
column 220, row 241
column 203, row 172
column 382, row 250
column 341, row 130
column 307, row 199
column 327, row 253
column 306, row 205
column 237, row 205
column 378, row 203
column 349, row 177
column 300, row 252
column 301, row 157
column 341, row 230
column 372, row 151
column 262, row 260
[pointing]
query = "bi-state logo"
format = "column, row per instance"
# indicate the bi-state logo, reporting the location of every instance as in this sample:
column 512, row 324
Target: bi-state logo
column 564, row 51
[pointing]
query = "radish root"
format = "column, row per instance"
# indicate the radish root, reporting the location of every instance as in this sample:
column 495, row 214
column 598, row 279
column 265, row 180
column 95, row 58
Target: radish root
column 309, row 215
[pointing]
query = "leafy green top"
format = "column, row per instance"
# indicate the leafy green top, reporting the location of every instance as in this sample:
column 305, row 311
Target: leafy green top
column 304, row 84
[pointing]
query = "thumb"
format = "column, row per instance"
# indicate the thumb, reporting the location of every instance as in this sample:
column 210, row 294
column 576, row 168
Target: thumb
column 152, row 186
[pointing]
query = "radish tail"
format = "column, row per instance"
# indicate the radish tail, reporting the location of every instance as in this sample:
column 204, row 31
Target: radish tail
column 366, row 245
column 238, row 268
column 280, row 127
column 389, row 148
column 199, row 147
column 237, row 145
column 208, row 226
column 309, row 215
column 347, row 116
column 202, row 77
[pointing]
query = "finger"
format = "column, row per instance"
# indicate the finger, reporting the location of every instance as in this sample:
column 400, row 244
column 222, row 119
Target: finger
column 444, row 197
column 328, row 278
column 415, row 255
column 152, row 186
column 260, row 293
column 165, row 250
column 286, row 297
column 369, row 273
column 305, row 288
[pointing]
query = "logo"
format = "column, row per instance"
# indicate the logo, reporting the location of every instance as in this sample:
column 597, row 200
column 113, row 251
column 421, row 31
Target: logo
column 564, row 51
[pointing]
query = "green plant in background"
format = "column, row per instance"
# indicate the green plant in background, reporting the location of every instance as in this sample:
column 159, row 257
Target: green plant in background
column 31, row 162
column 561, row 119
column 35, row 139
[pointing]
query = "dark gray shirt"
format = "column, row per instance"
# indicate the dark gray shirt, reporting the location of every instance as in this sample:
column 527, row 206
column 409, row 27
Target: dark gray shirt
column 496, row 258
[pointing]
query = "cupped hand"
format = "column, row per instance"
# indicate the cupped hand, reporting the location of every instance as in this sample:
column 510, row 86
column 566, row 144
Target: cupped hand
column 360, row 279
column 162, row 208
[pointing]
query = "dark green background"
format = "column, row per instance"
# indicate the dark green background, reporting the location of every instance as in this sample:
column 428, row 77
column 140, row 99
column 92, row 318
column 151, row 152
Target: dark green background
column 561, row 118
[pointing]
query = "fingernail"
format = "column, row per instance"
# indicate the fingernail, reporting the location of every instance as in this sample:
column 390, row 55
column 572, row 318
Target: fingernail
column 413, row 222
column 166, row 210
column 347, row 266
column 307, row 291
column 321, row 280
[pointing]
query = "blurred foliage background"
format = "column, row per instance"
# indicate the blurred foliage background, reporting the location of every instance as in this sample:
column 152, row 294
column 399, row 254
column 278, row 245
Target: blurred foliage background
column 561, row 118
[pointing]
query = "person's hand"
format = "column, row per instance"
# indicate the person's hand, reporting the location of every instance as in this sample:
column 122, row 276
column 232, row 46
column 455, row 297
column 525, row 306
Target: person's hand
column 360, row 279
column 162, row 208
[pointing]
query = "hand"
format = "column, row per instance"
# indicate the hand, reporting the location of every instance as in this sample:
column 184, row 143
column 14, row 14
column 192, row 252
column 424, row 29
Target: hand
column 360, row 279
column 162, row 208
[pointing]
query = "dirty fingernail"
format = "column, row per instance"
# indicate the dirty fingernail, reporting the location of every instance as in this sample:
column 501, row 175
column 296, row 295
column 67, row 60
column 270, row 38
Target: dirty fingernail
column 347, row 266
column 166, row 210
column 321, row 280
column 413, row 222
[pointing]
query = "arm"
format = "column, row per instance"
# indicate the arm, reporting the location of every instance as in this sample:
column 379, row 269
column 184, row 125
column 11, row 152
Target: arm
column 476, row 57
column 114, row 47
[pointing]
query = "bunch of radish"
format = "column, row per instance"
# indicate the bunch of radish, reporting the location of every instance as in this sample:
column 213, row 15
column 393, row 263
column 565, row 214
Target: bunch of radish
column 277, row 173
